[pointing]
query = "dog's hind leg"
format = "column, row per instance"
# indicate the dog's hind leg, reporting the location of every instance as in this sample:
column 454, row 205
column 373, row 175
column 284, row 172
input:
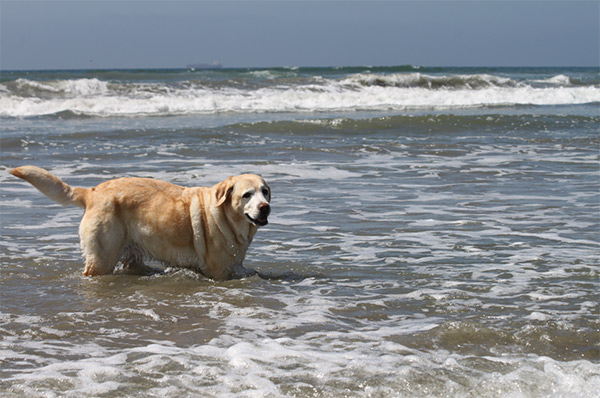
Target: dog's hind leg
column 102, row 241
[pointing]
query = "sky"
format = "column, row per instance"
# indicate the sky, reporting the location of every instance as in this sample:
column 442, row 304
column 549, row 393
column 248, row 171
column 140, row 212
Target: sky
column 103, row 34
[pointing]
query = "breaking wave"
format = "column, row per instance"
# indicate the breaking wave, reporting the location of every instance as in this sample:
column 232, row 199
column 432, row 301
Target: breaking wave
column 286, row 90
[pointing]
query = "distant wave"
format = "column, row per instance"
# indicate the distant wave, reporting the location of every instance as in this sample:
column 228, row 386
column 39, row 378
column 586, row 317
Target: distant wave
column 285, row 90
column 41, row 89
column 419, row 80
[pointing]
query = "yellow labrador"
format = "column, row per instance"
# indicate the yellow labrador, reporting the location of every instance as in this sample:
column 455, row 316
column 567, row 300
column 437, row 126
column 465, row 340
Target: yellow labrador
column 204, row 229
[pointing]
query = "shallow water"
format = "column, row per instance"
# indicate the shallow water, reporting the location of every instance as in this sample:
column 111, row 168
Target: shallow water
column 420, row 254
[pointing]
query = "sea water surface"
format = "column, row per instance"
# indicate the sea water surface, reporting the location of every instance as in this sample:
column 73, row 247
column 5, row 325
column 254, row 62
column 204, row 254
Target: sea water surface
column 435, row 232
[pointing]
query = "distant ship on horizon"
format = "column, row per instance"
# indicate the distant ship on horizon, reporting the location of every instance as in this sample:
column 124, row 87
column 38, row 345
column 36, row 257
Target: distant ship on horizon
column 212, row 65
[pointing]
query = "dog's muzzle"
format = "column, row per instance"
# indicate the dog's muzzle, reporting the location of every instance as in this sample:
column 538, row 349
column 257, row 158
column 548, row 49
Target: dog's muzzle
column 263, row 213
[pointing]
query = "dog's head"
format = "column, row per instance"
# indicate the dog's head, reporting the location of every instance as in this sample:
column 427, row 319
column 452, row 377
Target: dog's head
column 248, row 196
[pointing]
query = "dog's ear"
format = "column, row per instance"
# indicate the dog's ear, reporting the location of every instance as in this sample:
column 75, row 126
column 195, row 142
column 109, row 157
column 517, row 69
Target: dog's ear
column 223, row 191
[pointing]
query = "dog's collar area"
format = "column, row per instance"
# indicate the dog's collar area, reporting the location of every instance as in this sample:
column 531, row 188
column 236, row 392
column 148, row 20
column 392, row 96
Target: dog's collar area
column 259, row 222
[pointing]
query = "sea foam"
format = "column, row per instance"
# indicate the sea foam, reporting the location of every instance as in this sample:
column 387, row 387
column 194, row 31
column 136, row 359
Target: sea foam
column 359, row 92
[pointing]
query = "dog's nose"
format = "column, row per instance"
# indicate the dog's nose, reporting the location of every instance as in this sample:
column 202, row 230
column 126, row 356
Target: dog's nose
column 264, row 208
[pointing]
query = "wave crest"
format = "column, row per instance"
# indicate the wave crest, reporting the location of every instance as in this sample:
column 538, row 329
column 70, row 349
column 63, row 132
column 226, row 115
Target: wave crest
column 419, row 80
column 285, row 91
column 72, row 87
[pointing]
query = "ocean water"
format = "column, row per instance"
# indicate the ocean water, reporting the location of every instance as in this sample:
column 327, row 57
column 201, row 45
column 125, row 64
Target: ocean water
column 435, row 232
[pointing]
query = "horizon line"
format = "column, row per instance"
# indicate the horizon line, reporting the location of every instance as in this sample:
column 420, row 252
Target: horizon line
column 290, row 67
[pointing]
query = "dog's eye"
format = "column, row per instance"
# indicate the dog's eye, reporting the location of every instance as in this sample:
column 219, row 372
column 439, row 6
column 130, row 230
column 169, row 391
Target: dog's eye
column 247, row 195
column 265, row 192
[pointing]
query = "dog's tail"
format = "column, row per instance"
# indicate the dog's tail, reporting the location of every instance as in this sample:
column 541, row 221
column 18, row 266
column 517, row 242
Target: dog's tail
column 52, row 186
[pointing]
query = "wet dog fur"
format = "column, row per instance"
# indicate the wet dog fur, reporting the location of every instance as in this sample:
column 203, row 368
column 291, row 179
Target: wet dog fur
column 206, row 229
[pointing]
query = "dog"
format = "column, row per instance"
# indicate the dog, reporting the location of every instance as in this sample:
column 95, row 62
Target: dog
column 206, row 229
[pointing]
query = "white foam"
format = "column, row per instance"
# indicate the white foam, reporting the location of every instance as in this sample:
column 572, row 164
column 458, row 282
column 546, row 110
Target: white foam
column 412, row 80
column 74, row 87
column 19, row 203
column 97, row 98
column 271, row 366
column 538, row 316
column 148, row 312
column 561, row 80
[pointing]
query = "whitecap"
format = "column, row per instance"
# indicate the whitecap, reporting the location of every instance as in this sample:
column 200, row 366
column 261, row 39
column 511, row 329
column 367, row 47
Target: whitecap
column 96, row 98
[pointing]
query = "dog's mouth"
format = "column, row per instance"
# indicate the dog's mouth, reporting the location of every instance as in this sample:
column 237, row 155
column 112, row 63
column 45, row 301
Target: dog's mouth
column 261, row 221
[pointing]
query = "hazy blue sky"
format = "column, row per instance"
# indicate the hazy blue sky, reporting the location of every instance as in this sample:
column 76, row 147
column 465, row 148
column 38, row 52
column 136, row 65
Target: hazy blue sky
column 150, row 34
